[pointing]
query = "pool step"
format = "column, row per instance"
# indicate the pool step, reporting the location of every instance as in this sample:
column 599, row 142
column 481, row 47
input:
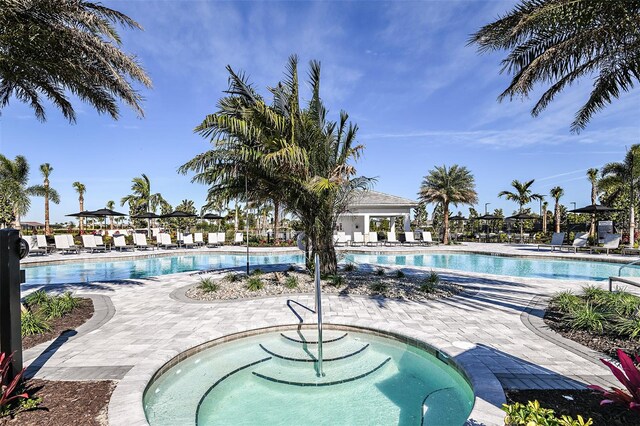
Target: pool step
column 441, row 406
column 310, row 337
column 297, row 352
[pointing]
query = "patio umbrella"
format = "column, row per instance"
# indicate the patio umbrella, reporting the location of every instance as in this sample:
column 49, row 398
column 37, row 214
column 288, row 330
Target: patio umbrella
column 211, row 216
column 178, row 214
column 103, row 213
column 520, row 217
column 488, row 217
column 595, row 209
column 458, row 218
column 148, row 216
column 84, row 213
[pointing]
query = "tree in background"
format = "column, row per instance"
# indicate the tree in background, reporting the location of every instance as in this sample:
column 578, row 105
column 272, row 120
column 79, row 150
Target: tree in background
column 110, row 205
column 454, row 185
column 45, row 190
column 592, row 175
column 80, row 189
column 522, row 195
column 560, row 42
column 14, row 192
column 557, row 193
column 53, row 47
column 420, row 215
column 141, row 199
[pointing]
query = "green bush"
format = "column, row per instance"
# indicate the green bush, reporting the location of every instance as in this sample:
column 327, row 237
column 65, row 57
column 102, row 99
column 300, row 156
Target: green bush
column 587, row 317
column 624, row 303
column 336, row 280
column 379, row 272
column 350, row 267
column 256, row 272
column 628, row 327
column 54, row 308
column 400, row 274
column 254, row 284
column 378, row 287
column 39, row 297
column 596, row 295
column 33, row 323
column 532, row 414
column 68, row 301
column 208, row 285
column 566, row 301
column 291, row 281
column 232, row 277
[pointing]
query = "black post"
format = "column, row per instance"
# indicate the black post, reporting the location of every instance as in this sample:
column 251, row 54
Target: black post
column 10, row 279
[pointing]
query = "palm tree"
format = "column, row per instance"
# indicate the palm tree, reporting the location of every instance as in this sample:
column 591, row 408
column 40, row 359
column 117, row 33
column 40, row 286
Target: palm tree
column 80, row 189
column 48, row 193
column 110, row 205
column 53, row 47
column 545, row 207
column 592, row 175
column 141, row 199
column 522, row 195
column 14, row 193
column 454, row 185
column 557, row 193
column 559, row 42
column 286, row 152
column 619, row 181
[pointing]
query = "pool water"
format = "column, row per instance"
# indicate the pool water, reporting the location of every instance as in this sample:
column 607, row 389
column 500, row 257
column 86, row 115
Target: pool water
column 272, row 379
column 78, row 272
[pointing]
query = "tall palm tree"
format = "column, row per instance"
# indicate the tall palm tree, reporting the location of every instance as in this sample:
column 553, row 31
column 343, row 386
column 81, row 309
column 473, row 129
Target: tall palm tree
column 14, row 192
column 286, row 151
column 522, row 195
column 454, row 185
column 51, row 48
column 557, row 193
column 110, row 205
column 48, row 193
column 141, row 199
column 80, row 189
column 560, row 42
column 620, row 181
column 592, row 175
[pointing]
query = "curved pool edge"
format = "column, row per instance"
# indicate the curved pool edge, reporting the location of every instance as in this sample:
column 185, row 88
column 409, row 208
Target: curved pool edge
column 126, row 403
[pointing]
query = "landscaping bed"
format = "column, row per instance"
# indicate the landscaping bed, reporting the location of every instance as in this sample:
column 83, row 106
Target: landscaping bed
column 598, row 319
column 577, row 402
column 65, row 404
column 70, row 321
column 381, row 282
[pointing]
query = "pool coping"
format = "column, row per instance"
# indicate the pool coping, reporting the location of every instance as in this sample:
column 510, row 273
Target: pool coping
column 126, row 406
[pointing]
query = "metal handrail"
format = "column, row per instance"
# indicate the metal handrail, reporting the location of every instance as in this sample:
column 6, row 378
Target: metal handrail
column 319, row 312
column 627, row 264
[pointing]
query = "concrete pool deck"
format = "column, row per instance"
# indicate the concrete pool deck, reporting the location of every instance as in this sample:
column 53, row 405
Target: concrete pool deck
column 142, row 324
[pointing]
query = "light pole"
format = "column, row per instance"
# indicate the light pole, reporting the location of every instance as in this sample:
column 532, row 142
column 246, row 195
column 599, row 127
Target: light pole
column 568, row 221
column 246, row 224
column 485, row 208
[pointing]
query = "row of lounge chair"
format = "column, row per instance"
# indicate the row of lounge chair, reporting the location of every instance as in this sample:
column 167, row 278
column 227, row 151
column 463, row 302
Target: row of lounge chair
column 581, row 242
column 341, row 239
column 65, row 243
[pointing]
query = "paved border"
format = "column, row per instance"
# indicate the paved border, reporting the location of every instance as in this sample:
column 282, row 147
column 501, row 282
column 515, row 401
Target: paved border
column 126, row 404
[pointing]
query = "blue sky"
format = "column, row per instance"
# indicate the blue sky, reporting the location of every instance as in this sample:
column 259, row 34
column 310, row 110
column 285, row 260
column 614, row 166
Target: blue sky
column 402, row 70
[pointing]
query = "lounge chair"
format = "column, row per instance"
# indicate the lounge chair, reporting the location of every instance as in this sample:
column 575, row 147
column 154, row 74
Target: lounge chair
column 557, row 239
column 62, row 244
column 358, row 239
column 89, row 244
column 187, row 241
column 409, row 238
column 222, row 237
column 373, row 239
column 72, row 242
column 197, row 239
column 100, row 242
column 42, row 243
column 427, row 240
column 580, row 241
column 212, row 239
column 630, row 250
column 164, row 241
column 33, row 246
column 340, row 239
column 140, row 242
column 238, row 238
column 120, row 243
column 391, row 239
column 611, row 242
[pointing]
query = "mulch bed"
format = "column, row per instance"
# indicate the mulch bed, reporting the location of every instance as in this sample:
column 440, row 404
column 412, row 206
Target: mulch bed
column 577, row 402
column 605, row 343
column 70, row 321
column 65, row 404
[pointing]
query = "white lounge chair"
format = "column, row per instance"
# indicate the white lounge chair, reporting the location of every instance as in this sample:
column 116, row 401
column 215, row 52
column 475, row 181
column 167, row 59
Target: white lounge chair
column 212, row 239
column 140, row 242
column 72, row 242
column 197, row 239
column 165, row 241
column 222, row 238
column 89, row 243
column 358, row 239
column 33, row 246
column 409, row 238
column 340, row 239
column 42, row 243
column 100, row 242
column 373, row 239
column 580, row 241
column 238, row 238
column 557, row 239
column 120, row 243
column 62, row 244
column 427, row 240
column 391, row 239
column 187, row 241
column 611, row 242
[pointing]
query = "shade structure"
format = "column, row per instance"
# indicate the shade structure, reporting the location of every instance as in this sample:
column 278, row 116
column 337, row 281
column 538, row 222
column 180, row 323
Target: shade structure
column 146, row 215
column 84, row 213
column 211, row 216
column 106, row 212
column 594, row 208
column 178, row 214
column 523, row 216
column 489, row 217
column 458, row 218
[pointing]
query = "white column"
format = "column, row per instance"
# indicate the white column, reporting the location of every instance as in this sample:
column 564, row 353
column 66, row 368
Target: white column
column 392, row 223
column 407, row 222
column 365, row 229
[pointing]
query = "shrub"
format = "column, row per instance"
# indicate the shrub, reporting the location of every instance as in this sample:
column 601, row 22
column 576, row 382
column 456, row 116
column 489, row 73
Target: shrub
column 378, row 287
column 566, row 301
column 68, row 301
column 587, row 317
column 430, row 282
column 232, row 277
column 254, row 283
column 291, row 268
column 350, row 267
column 533, row 414
column 9, row 392
column 33, row 323
column 400, row 274
column 596, row 295
column 336, row 280
column 629, row 377
column 628, row 327
column 256, row 272
column 208, row 285
column 379, row 272
column 39, row 297
column 624, row 303
column 291, row 281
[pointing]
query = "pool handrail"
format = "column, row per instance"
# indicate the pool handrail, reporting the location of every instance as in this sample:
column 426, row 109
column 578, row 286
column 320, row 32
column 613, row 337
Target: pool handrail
column 626, row 265
column 319, row 313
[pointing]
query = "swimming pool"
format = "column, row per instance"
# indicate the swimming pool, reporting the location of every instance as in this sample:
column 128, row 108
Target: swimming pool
column 149, row 267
